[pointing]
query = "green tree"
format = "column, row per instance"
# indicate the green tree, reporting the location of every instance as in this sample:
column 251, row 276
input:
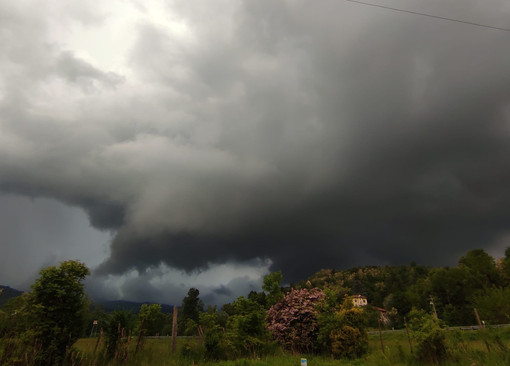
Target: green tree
column 481, row 268
column 429, row 336
column 342, row 330
column 246, row 331
column 191, row 308
column 505, row 266
column 452, row 290
column 494, row 305
column 271, row 286
column 258, row 297
column 152, row 318
column 213, row 335
column 58, row 308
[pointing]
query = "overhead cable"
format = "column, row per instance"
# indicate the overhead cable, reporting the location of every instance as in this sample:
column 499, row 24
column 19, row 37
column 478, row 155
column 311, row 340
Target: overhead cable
column 429, row 15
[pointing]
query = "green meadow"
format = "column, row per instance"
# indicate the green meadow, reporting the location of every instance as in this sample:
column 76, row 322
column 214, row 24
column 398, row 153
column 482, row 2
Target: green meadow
column 465, row 347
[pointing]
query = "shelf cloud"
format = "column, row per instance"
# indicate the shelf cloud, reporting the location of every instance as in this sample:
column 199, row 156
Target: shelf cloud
column 308, row 135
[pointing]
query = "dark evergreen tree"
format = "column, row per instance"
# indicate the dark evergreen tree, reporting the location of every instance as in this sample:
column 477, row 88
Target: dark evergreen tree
column 191, row 308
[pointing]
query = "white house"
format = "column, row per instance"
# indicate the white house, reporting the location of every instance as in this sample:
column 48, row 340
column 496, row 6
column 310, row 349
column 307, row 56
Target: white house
column 359, row 300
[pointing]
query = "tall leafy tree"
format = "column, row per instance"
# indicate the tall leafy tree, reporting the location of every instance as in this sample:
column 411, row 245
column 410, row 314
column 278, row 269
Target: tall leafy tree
column 152, row 319
column 505, row 266
column 271, row 286
column 481, row 269
column 58, row 308
column 246, row 332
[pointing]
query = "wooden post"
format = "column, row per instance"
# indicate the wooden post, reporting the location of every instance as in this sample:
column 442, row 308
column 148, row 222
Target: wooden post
column 478, row 318
column 97, row 343
column 380, row 334
column 140, row 337
column 408, row 338
column 174, row 330
column 480, row 327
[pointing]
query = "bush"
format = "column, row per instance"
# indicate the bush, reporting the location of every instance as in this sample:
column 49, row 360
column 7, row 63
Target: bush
column 342, row 332
column 429, row 336
column 348, row 342
column 293, row 320
column 118, row 327
column 213, row 336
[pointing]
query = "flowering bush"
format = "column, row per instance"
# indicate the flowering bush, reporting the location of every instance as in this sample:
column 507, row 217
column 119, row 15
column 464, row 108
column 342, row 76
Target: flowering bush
column 293, row 320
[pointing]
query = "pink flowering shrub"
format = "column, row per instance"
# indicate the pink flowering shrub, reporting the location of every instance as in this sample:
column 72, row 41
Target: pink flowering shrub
column 293, row 320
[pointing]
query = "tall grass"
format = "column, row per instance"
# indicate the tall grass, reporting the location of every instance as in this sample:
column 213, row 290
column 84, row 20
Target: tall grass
column 465, row 348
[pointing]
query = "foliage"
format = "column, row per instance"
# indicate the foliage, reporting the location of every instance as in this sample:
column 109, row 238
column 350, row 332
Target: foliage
column 399, row 288
column 119, row 326
column 42, row 325
column 152, row 319
column 95, row 313
column 246, row 332
column 481, row 268
column 429, row 336
column 258, row 297
column 271, row 285
column 494, row 305
column 293, row 320
column 58, row 306
column 191, row 308
column 342, row 331
column 213, row 336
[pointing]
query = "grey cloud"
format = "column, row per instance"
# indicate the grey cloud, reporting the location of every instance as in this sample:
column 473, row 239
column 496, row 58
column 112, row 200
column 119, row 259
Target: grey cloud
column 314, row 135
column 82, row 73
column 222, row 291
column 159, row 285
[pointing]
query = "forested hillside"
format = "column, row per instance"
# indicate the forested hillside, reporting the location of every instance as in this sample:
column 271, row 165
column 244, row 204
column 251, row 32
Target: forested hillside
column 477, row 281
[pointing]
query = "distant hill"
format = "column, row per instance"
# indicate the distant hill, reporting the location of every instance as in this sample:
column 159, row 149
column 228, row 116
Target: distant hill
column 7, row 294
column 134, row 307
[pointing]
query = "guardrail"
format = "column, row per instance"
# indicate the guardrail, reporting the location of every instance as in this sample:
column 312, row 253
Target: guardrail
column 460, row 327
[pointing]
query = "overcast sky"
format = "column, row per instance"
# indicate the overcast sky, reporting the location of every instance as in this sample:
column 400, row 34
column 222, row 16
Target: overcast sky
column 170, row 144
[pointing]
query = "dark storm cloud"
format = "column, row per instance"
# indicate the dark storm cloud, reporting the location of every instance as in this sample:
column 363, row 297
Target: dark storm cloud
column 314, row 135
column 222, row 291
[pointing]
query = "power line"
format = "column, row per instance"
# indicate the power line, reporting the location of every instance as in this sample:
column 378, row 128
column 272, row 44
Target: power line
column 429, row 15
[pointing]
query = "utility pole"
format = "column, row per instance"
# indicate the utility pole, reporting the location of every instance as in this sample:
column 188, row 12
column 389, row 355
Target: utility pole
column 433, row 306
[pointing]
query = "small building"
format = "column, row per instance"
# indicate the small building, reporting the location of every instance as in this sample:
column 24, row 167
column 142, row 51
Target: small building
column 359, row 300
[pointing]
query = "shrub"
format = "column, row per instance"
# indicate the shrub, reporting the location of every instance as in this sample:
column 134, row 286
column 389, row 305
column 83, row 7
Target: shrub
column 348, row 342
column 119, row 325
column 293, row 320
column 246, row 333
column 429, row 336
column 213, row 336
column 342, row 332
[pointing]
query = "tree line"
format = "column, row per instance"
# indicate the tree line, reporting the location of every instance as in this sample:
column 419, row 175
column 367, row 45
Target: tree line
column 314, row 316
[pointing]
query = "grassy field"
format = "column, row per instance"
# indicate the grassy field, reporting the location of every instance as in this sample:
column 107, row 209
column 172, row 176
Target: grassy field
column 465, row 348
